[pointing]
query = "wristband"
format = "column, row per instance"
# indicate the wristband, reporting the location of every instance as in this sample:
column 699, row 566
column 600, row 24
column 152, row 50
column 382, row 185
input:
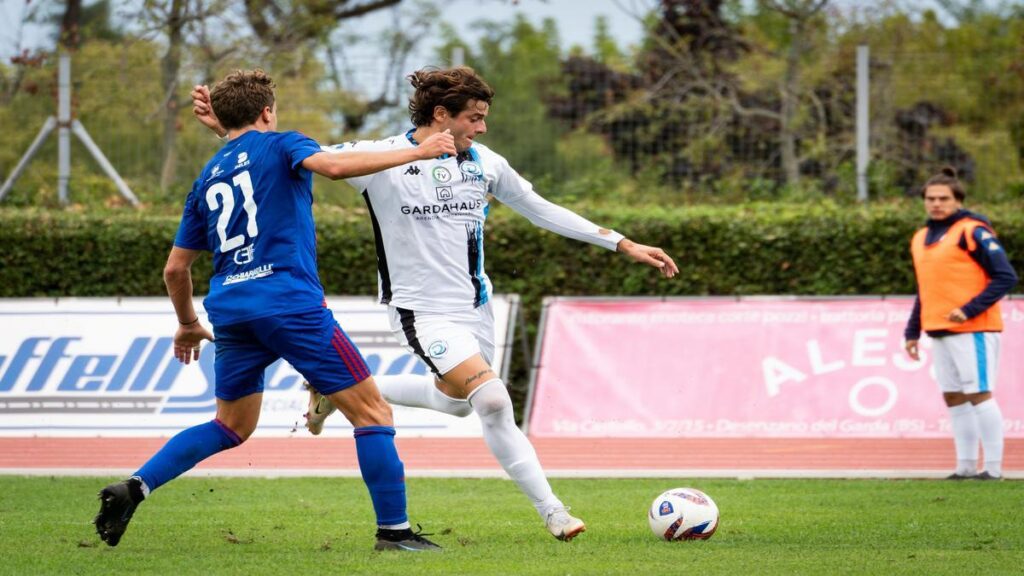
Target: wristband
column 189, row 323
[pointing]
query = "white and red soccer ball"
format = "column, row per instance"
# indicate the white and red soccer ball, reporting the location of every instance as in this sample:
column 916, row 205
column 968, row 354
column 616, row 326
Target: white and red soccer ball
column 683, row 514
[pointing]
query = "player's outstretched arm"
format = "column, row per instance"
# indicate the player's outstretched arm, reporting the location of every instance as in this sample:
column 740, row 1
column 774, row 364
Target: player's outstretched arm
column 339, row 165
column 203, row 111
column 178, row 279
column 650, row 255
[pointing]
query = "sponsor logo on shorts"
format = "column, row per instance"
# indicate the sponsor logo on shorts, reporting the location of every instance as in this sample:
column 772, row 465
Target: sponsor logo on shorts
column 437, row 349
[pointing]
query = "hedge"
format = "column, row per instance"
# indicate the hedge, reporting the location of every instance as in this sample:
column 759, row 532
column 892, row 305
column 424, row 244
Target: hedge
column 754, row 249
column 824, row 249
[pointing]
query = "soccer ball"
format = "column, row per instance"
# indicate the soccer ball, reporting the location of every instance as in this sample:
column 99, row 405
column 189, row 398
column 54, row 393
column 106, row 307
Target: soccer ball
column 683, row 514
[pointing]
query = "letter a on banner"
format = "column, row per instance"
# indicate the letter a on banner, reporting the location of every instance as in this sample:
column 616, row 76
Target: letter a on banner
column 776, row 372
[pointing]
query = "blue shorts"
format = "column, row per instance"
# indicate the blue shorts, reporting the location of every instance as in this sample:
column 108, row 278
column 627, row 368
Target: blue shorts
column 312, row 342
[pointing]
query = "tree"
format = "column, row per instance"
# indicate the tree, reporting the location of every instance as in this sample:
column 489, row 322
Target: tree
column 284, row 25
column 180, row 23
column 409, row 25
column 799, row 14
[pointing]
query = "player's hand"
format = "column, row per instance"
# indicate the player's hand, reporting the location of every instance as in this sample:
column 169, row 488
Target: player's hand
column 957, row 315
column 650, row 255
column 912, row 351
column 203, row 110
column 188, row 340
column 437, row 145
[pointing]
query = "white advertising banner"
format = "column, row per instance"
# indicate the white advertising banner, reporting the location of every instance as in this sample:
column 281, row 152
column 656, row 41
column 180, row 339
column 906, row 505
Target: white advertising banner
column 103, row 367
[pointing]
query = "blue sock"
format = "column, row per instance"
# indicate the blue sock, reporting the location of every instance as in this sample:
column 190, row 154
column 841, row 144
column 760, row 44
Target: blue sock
column 186, row 449
column 383, row 473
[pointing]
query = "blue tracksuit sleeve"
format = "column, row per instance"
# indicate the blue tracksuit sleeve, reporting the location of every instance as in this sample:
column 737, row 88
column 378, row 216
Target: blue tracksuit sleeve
column 913, row 329
column 989, row 254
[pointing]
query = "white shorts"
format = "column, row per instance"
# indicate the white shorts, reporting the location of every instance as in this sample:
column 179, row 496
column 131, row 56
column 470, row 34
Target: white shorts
column 968, row 362
column 443, row 340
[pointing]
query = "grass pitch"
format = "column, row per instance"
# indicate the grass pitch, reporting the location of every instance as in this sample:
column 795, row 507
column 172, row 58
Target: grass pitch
column 321, row 526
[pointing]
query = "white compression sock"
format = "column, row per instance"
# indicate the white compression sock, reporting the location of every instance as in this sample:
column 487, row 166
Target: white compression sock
column 964, row 423
column 419, row 391
column 510, row 446
column 990, row 424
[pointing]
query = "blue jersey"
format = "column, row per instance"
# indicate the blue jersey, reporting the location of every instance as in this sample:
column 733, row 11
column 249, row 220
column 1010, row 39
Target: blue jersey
column 252, row 207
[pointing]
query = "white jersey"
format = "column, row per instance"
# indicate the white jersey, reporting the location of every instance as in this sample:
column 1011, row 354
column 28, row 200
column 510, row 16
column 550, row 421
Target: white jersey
column 428, row 223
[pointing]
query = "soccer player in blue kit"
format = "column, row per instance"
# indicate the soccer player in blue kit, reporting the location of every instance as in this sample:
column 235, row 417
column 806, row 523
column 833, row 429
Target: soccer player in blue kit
column 252, row 207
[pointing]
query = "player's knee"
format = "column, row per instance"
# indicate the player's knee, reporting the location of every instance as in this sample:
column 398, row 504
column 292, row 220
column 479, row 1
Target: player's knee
column 491, row 398
column 242, row 430
column 462, row 409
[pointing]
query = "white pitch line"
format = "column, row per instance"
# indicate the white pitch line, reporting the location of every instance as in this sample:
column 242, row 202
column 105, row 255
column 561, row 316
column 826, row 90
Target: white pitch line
column 495, row 473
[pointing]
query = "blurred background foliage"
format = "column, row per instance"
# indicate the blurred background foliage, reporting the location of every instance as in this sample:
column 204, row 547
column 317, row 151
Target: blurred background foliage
column 722, row 102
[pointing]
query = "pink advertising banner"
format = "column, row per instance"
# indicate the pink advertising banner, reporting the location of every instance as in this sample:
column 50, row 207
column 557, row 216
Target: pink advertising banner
column 758, row 367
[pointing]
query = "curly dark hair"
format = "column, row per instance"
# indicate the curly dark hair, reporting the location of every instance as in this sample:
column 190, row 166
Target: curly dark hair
column 452, row 88
column 947, row 177
column 241, row 96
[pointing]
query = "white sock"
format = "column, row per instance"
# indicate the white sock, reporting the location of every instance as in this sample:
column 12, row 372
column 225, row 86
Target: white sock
column 419, row 391
column 964, row 423
column 990, row 424
column 510, row 446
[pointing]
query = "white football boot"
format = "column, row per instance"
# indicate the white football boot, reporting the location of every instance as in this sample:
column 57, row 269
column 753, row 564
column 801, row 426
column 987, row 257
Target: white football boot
column 320, row 407
column 563, row 525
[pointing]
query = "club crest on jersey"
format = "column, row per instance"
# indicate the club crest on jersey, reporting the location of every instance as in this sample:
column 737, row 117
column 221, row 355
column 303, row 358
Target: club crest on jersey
column 471, row 168
column 437, row 349
column 444, row 193
column 665, row 509
column 441, row 175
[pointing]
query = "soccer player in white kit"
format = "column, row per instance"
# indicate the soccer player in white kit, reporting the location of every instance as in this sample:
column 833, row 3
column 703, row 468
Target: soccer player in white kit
column 428, row 220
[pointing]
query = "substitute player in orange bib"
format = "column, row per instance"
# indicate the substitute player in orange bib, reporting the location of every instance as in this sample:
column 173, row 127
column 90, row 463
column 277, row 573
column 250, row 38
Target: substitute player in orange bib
column 962, row 272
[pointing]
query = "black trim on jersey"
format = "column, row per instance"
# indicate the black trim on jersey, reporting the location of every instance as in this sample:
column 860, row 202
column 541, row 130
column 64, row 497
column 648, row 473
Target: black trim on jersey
column 382, row 258
column 409, row 328
column 473, row 252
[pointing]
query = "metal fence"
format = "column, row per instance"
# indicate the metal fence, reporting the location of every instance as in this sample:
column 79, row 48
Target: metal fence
column 577, row 134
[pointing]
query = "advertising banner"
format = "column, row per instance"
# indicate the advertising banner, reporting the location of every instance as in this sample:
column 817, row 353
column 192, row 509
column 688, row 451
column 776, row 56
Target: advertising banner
column 756, row 367
column 103, row 367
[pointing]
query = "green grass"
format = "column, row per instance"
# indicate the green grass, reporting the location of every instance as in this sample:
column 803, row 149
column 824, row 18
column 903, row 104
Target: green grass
column 321, row 526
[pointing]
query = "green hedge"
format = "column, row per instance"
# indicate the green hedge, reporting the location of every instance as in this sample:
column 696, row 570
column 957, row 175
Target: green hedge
column 754, row 249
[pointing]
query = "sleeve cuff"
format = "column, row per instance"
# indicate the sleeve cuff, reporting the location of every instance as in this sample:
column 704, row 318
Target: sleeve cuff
column 610, row 240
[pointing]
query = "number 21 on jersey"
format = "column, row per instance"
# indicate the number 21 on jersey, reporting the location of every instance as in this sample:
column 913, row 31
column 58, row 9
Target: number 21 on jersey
column 227, row 200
